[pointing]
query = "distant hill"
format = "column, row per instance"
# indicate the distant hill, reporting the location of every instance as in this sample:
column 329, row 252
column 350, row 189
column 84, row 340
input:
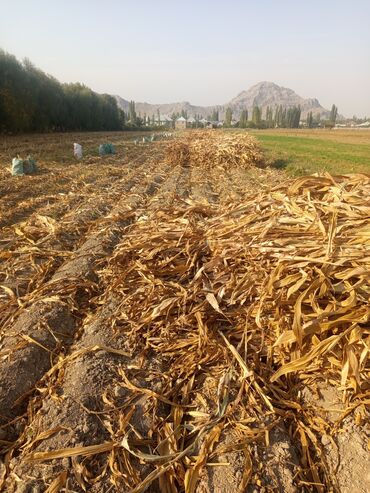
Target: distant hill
column 168, row 108
column 262, row 94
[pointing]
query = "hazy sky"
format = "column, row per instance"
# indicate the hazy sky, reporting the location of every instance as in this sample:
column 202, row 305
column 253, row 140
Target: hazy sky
column 205, row 52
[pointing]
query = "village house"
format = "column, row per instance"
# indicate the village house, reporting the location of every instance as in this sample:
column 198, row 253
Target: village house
column 163, row 121
column 180, row 123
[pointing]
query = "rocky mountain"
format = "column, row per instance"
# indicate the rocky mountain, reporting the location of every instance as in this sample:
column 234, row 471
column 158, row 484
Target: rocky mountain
column 262, row 94
column 266, row 94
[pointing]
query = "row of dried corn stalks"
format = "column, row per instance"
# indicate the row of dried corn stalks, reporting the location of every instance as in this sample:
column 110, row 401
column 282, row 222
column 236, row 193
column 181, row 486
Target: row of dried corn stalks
column 241, row 309
column 211, row 148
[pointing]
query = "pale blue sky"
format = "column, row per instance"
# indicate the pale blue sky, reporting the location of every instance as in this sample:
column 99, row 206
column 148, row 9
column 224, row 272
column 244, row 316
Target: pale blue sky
column 204, row 52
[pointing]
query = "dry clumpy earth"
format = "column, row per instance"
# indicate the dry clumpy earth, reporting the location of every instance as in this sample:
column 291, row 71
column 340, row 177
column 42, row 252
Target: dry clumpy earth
column 146, row 326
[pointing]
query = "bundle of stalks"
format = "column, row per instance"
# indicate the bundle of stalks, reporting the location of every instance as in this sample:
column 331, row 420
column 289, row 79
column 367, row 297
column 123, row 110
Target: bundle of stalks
column 211, row 148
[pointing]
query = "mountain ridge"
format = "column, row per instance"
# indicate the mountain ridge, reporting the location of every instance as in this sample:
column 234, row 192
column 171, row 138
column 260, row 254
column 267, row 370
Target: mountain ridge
column 263, row 94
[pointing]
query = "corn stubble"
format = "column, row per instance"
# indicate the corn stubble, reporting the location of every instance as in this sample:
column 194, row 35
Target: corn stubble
column 262, row 298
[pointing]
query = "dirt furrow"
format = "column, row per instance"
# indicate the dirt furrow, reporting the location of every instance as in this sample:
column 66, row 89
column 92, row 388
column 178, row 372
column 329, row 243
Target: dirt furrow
column 74, row 282
column 90, row 174
column 183, row 187
column 202, row 186
column 86, row 377
column 51, row 239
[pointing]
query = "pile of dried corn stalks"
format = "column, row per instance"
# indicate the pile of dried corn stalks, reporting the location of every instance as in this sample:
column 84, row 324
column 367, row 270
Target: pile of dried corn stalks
column 237, row 310
column 211, row 148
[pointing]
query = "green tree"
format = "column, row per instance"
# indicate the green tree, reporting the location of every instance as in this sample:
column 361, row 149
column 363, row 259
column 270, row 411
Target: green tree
column 122, row 118
column 293, row 116
column 333, row 114
column 309, row 119
column 243, row 120
column 132, row 113
column 31, row 101
column 269, row 117
column 228, row 117
column 284, row 118
column 214, row 116
column 257, row 116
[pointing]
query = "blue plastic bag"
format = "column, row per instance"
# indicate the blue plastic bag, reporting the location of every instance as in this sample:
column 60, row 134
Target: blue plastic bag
column 105, row 149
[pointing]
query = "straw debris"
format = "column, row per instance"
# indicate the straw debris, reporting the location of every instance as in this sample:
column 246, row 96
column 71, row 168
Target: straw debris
column 244, row 308
column 211, row 148
column 208, row 340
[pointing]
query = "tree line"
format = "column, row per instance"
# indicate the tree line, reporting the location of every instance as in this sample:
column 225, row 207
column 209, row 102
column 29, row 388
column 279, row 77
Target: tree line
column 33, row 101
column 278, row 117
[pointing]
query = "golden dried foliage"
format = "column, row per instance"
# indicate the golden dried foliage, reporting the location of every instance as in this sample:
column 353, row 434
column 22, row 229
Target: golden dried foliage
column 228, row 311
column 258, row 300
column 210, row 148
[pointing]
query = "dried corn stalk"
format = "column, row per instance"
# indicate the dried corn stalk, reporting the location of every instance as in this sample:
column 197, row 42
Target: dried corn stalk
column 228, row 312
column 243, row 305
column 208, row 149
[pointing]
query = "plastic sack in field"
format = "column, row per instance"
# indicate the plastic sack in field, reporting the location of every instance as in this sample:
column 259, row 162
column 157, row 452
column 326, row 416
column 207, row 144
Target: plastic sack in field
column 105, row 149
column 29, row 166
column 17, row 167
column 77, row 151
column 22, row 167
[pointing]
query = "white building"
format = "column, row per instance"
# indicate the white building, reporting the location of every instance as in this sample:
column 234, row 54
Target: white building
column 180, row 123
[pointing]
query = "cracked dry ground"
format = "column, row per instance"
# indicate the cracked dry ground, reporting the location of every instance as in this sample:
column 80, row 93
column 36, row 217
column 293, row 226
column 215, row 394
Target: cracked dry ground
column 82, row 402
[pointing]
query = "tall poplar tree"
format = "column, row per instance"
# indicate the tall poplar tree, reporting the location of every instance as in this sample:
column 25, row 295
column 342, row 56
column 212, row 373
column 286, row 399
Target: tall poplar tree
column 228, row 117
column 333, row 114
column 257, row 116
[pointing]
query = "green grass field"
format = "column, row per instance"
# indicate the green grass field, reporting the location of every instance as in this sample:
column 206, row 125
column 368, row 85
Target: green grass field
column 302, row 152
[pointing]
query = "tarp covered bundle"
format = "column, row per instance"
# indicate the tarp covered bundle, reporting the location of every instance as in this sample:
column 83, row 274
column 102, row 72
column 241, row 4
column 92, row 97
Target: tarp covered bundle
column 105, row 149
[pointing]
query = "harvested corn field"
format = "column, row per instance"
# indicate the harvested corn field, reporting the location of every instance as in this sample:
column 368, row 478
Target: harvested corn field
column 192, row 324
